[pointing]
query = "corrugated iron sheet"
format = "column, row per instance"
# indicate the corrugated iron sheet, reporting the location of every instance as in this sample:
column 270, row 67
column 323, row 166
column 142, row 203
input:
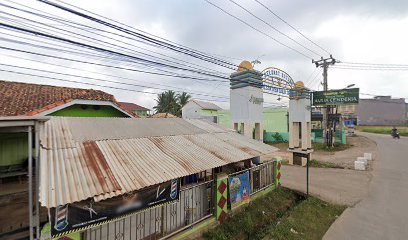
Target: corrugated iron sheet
column 75, row 167
column 207, row 126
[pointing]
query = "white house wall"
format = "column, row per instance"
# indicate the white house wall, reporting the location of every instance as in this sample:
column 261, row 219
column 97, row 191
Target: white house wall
column 191, row 111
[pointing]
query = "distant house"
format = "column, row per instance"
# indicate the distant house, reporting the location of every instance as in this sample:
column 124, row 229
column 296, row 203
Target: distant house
column 134, row 108
column 275, row 120
column 34, row 100
column 195, row 109
column 26, row 99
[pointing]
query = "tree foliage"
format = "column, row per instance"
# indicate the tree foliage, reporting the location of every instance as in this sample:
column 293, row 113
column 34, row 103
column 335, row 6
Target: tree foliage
column 170, row 102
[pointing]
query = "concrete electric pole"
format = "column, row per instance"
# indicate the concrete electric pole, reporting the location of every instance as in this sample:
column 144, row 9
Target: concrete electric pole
column 325, row 63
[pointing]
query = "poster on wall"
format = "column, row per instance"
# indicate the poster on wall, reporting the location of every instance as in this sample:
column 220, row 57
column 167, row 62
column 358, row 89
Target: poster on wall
column 74, row 217
column 239, row 189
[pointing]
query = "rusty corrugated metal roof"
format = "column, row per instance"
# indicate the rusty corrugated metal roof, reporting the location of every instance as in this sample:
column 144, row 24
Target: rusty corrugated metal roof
column 101, row 158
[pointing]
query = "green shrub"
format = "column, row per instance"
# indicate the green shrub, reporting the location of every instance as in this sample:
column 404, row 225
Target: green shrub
column 277, row 138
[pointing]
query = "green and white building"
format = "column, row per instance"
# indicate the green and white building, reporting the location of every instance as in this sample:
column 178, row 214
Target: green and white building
column 275, row 120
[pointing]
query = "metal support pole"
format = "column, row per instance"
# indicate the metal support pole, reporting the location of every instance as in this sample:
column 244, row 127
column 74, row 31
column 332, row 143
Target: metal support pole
column 30, row 181
column 37, row 180
column 324, row 63
column 307, row 175
column 325, row 109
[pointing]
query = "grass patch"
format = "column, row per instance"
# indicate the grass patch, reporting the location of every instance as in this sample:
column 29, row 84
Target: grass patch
column 308, row 220
column 337, row 147
column 383, row 130
column 322, row 164
column 254, row 220
column 274, row 215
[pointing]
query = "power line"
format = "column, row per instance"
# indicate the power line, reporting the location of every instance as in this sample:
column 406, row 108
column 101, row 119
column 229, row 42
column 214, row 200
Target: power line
column 374, row 64
column 86, row 28
column 97, row 73
column 308, row 80
column 90, row 84
column 94, row 47
column 280, row 18
column 106, row 65
column 315, row 79
column 70, row 42
column 109, row 66
column 274, row 28
column 164, row 44
column 130, row 27
column 91, row 55
column 103, row 80
column 370, row 69
column 256, row 29
column 105, row 86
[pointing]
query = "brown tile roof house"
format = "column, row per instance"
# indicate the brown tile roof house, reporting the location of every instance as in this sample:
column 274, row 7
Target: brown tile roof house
column 17, row 98
column 132, row 106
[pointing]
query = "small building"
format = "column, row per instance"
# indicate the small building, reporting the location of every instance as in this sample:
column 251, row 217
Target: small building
column 23, row 103
column 275, row 120
column 93, row 181
column 36, row 100
column 27, row 99
column 381, row 111
column 195, row 109
column 136, row 109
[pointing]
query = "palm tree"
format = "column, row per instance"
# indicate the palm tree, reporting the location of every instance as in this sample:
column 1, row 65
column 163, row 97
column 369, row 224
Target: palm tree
column 182, row 99
column 170, row 102
column 166, row 102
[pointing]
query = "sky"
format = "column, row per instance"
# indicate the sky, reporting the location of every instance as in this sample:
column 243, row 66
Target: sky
column 352, row 31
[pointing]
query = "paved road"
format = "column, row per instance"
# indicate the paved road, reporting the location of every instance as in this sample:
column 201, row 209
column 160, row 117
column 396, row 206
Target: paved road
column 383, row 214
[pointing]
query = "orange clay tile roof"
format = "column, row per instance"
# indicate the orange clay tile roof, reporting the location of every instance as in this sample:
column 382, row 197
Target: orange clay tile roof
column 132, row 106
column 17, row 98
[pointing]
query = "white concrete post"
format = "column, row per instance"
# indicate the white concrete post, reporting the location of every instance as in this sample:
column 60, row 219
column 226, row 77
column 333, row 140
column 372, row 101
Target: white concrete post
column 291, row 140
column 304, row 136
column 295, row 134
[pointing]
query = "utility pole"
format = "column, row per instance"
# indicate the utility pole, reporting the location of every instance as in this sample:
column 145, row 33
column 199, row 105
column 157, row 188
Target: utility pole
column 325, row 63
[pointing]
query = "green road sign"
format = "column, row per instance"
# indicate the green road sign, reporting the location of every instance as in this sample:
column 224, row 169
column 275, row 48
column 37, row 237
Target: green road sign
column 336, row 97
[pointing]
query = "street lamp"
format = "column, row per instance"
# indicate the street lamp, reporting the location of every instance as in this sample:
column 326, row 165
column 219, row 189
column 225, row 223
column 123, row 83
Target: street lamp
column 349, row 86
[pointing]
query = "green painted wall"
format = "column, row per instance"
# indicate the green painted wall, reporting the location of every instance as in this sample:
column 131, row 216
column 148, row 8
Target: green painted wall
column 13, row 148
column 141, row 113
column 275, row 120
column 77, row 111
column 208, row 112
column 224, row 119
column 317, row 136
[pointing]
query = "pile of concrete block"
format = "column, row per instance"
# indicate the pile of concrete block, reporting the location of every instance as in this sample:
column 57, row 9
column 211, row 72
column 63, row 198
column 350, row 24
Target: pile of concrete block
column 361, row 162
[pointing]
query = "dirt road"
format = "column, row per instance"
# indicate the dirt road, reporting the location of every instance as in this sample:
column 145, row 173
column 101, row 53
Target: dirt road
column 346, row 158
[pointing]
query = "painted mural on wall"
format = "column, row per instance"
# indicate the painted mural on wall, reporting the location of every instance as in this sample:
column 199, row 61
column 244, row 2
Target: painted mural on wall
column 239, row 189
column 80, row 216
